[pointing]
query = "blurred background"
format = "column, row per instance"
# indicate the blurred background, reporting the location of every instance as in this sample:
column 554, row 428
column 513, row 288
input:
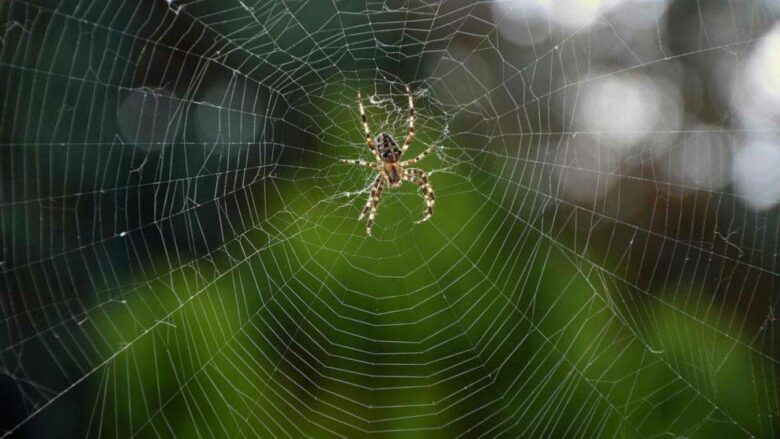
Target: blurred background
column 180, row 253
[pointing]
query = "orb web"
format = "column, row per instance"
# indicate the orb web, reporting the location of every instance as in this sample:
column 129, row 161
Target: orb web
column 181, row 253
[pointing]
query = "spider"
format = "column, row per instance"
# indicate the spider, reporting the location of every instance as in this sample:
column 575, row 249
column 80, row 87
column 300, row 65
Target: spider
column 392, row 171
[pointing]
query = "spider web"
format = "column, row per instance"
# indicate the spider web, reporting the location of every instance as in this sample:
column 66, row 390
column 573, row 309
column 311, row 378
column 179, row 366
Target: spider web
column 181, row 254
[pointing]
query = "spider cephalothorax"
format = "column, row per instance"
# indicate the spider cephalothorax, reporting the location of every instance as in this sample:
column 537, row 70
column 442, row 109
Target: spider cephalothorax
column 391, row 170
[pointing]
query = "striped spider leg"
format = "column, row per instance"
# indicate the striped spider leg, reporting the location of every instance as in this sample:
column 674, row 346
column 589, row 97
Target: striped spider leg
column 421, row 156
column 372, row 203
column 410, row 134
column 420, row 178
column 364, row 121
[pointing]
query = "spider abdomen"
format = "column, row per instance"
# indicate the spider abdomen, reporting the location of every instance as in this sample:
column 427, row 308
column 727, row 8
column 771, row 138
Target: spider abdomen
column 388, row 148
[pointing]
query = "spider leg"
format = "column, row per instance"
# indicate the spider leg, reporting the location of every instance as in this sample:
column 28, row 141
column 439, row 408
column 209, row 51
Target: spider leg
column 410, row 136
column 374, row 166
column 420, row 178
column 422, row 155
column 372, row 203
column 364, row 121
